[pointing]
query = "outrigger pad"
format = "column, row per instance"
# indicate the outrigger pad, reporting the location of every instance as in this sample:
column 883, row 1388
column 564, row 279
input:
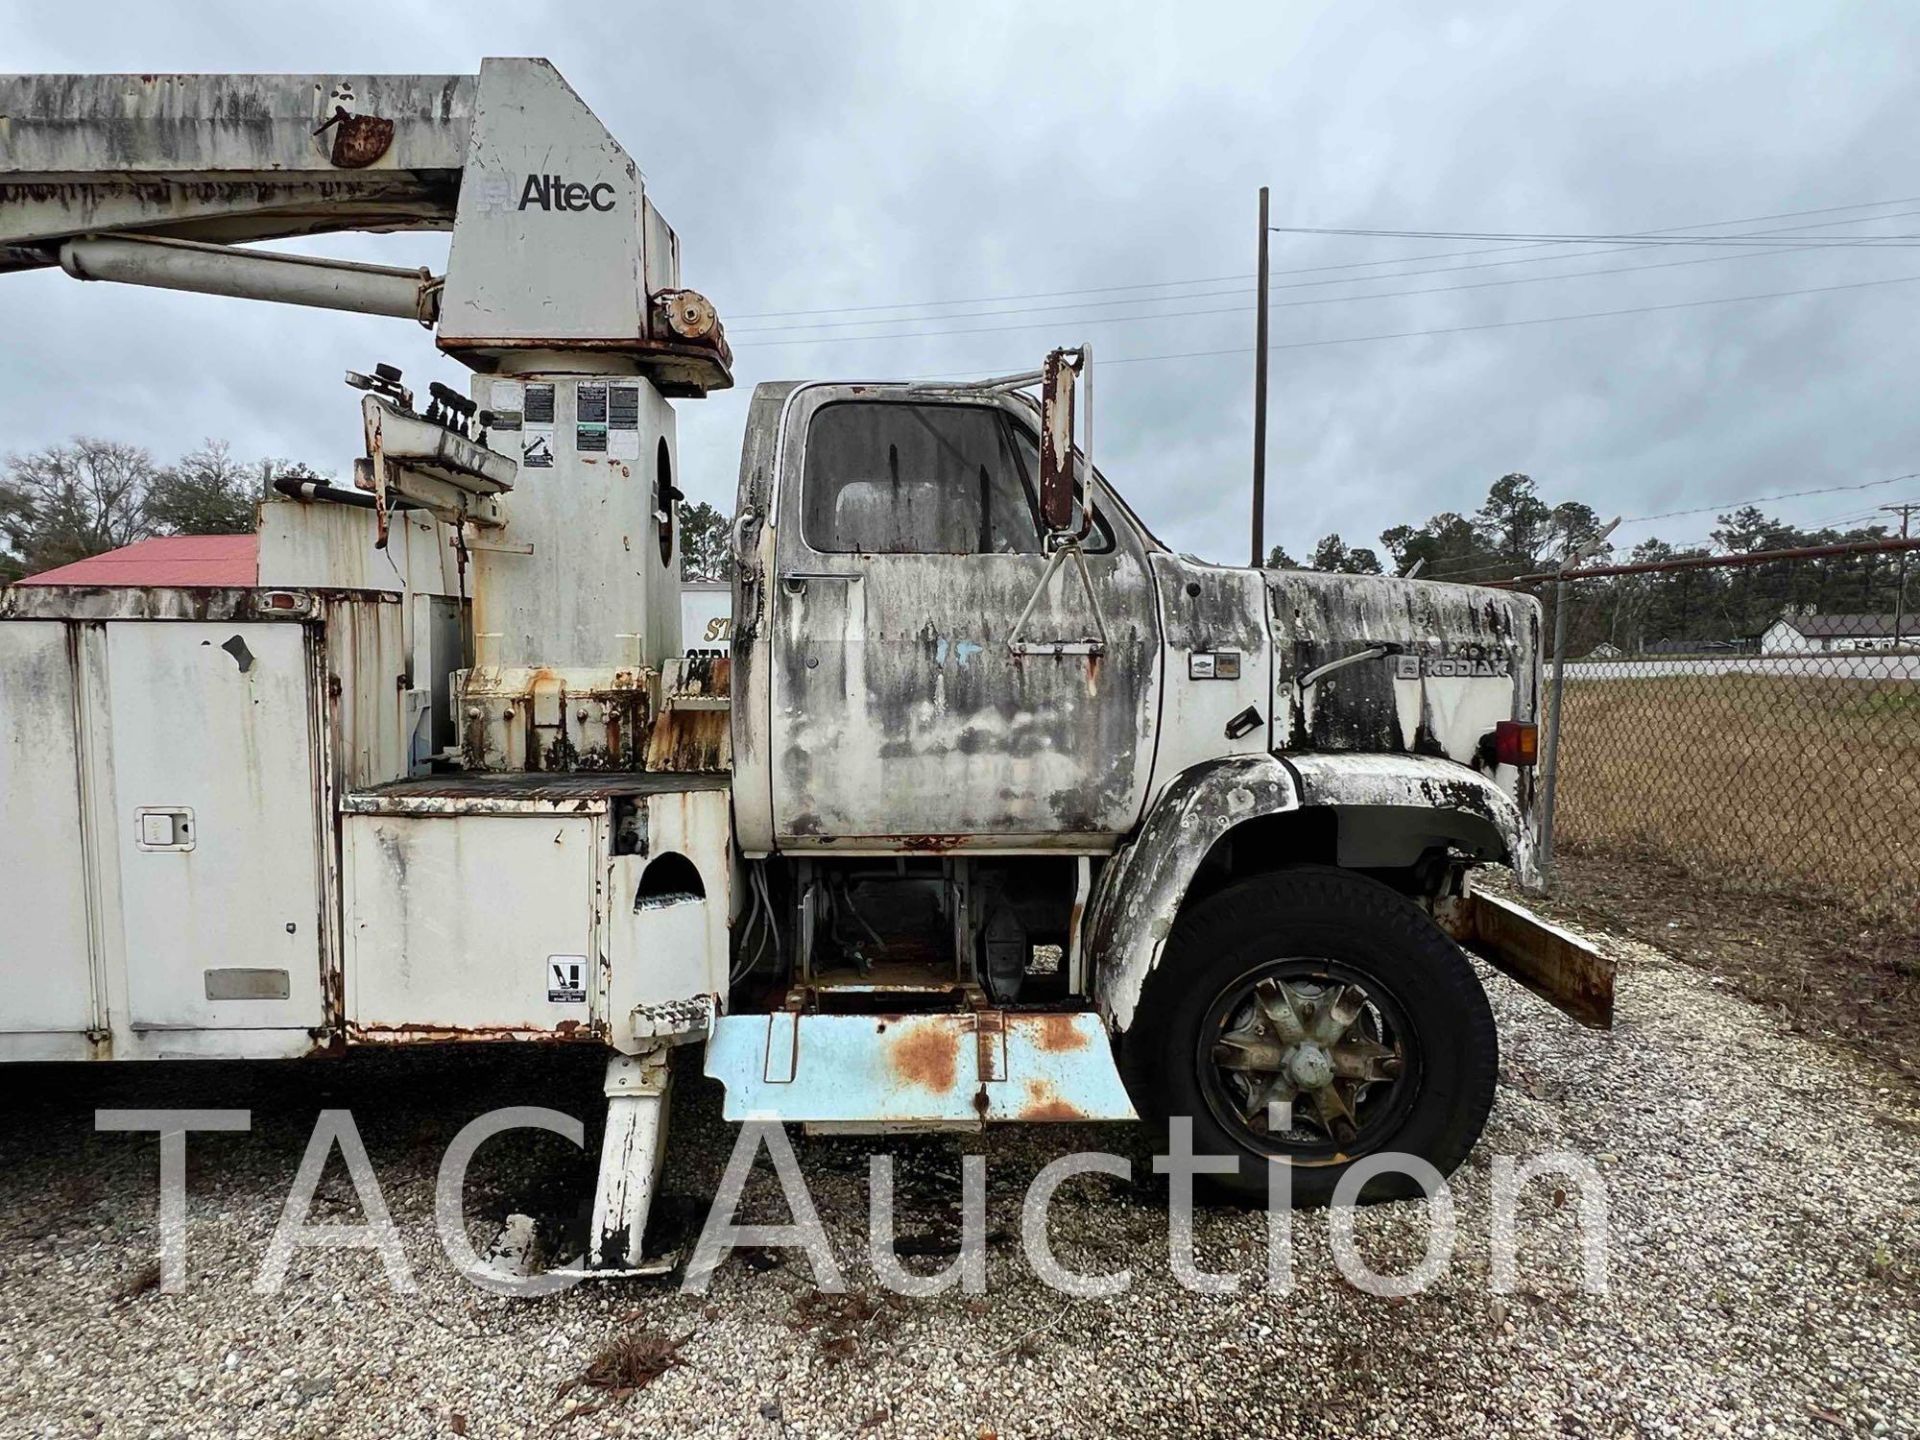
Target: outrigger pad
column 935, row 1071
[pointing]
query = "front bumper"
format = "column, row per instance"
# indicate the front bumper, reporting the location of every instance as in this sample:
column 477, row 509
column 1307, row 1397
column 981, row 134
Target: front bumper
column 1557, row 966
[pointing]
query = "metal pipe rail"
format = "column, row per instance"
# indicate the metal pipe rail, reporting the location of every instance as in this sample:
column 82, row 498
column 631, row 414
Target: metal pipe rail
column 1893, row 546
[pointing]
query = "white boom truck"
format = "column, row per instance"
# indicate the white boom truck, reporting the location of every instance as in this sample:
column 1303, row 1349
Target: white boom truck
column 999, row 810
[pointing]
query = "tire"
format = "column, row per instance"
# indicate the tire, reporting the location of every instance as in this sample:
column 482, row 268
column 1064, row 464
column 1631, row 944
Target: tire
column 1281, row 956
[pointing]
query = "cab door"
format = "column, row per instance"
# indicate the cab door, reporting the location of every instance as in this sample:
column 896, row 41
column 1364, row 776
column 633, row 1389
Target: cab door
column 907, row 544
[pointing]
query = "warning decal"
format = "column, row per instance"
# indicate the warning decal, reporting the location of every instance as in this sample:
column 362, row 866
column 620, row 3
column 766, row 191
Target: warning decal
column 536, row 440
column 623, row 422
column 590, row 419
column 566, row 979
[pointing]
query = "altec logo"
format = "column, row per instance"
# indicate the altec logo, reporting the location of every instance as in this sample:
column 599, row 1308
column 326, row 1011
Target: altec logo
column 552, row 192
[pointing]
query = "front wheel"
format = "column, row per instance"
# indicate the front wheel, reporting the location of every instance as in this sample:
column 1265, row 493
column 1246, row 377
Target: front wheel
column 1316, row 1016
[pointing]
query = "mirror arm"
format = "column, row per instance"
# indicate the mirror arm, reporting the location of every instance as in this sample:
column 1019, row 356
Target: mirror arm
column 1062, row 545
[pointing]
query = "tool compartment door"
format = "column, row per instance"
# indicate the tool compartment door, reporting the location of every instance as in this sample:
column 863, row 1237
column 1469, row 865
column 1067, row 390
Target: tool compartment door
column 214, row 787
column 46, row 974
column 471, row 927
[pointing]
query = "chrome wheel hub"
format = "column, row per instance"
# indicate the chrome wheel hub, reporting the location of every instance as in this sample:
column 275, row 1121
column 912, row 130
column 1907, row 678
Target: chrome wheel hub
column 1319, row 1049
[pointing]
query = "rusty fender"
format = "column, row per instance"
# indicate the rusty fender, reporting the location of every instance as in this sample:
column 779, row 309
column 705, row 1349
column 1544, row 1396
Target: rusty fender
column 1141, row 889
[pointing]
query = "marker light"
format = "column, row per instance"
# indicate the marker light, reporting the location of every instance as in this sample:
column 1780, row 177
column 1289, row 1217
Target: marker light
column 1515, row 742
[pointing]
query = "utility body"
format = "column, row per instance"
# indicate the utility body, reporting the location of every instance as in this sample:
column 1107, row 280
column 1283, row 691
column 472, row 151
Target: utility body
column 998, row 809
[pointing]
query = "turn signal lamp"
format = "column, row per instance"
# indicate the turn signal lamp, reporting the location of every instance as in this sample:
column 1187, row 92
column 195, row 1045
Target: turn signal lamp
column 1515, row 742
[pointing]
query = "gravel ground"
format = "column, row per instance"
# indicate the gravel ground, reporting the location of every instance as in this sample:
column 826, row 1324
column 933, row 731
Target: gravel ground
column 1764, row 1192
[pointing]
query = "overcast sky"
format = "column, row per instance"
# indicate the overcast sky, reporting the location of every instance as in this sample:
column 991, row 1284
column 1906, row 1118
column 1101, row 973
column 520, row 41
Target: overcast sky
column 816, row 156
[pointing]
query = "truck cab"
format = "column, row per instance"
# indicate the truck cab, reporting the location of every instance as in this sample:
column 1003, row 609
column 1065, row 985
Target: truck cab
column 999, row 767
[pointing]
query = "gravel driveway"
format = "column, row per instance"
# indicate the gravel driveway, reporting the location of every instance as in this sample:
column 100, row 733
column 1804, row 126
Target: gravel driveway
column 1765, row 1278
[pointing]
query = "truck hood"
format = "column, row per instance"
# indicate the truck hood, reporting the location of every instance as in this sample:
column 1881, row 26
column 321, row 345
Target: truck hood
column 1442, row 663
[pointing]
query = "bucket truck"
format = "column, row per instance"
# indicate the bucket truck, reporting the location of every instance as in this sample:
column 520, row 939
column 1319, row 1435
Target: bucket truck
column 999, row 810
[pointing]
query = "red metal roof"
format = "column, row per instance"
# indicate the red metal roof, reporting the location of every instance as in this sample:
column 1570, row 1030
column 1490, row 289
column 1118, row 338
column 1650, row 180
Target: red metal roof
column 187, row 560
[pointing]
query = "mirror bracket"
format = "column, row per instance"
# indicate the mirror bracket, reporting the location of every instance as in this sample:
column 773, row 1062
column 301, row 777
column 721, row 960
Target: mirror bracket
column 1057, row 466
column 1069, row 546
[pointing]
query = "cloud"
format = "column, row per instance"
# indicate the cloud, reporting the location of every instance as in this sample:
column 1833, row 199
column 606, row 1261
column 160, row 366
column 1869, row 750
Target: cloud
column 814, row 157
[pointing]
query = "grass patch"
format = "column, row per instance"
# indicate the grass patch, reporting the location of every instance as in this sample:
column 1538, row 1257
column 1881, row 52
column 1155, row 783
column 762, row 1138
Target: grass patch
column 1776, row 785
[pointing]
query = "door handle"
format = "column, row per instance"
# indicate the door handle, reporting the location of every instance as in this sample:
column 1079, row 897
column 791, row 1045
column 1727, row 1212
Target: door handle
column 796, row 581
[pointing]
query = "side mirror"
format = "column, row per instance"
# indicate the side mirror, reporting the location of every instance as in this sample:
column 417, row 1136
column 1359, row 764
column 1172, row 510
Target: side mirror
column 1057, row 379
column 1056, row 442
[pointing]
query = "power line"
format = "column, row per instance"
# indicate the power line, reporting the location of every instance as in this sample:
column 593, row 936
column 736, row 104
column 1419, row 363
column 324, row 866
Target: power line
column 1304, row 270
column 1854, row 241
column 1282, row 305
column 1109, row 360
column 1768, row 499
column 1855, row 521
column 1297, row 285
column 1035, row 295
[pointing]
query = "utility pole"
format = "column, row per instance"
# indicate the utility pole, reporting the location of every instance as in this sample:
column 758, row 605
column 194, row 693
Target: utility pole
column 1905, row 511
column 1260, row 400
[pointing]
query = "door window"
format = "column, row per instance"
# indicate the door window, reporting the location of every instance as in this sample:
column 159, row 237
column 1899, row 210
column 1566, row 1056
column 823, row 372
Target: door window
column 906, row 479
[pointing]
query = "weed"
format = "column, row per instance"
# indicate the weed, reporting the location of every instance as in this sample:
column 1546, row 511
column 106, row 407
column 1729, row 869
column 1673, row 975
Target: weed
column 626, row 1363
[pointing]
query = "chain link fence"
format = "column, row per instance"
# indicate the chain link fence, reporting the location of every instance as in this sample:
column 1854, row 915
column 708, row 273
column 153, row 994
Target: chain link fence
column 1753, row 721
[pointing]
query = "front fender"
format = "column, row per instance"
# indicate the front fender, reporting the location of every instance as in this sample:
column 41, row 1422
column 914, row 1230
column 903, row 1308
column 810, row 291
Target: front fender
column 1408, row 786
column 1418, row 798
column 1142, row 886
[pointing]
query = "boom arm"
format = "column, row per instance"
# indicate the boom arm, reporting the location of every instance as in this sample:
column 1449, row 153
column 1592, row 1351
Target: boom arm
column 226, row 158
column 555, row 244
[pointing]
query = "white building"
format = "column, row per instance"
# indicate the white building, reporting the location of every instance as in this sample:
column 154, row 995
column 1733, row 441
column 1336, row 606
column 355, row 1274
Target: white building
column 1804, row 634
column 706, row 615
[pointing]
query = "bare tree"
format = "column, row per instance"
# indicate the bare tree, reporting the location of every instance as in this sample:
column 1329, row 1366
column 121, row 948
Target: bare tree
column 70, row 501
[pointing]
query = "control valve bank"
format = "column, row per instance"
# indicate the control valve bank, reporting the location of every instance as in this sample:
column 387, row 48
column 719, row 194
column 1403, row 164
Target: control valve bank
column 998, row 810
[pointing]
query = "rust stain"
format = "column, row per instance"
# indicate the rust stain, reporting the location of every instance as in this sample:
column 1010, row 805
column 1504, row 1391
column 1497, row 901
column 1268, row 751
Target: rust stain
column 680, row 369
column 1043, row 1102
column 931, row 844
column 359, row 140
column 690, row 742
column 1056, row 1033
column 565, row 1031
column 928, row 1056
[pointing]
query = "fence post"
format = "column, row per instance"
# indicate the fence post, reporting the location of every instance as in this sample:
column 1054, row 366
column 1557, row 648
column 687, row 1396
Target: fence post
column 1550, row 769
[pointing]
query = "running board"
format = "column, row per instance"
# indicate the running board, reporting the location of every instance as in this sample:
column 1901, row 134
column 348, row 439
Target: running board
column 951, row 1071
column 1557, row 966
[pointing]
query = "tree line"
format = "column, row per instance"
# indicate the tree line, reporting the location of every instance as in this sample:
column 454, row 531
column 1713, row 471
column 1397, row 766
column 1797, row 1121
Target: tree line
column 70, row 501
column 67, row 502
column 1518, row 532
column 88, row 496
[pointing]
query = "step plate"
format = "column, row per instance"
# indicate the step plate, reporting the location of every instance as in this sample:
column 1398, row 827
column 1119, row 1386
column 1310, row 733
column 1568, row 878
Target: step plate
column 939, row 1070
